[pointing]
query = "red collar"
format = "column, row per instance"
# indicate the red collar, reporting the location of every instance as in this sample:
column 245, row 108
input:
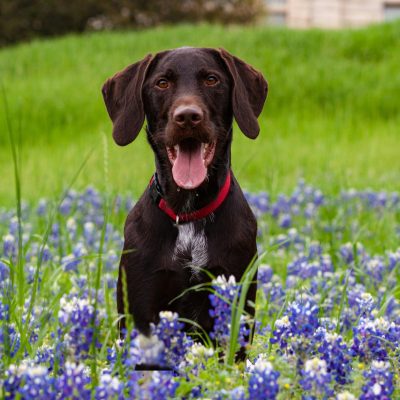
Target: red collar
column 194, row 215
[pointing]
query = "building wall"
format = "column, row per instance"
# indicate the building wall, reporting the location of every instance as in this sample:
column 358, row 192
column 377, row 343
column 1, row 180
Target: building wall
column 331, row 13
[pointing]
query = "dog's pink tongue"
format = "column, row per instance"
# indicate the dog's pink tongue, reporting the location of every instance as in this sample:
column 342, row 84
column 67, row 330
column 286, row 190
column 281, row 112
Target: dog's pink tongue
column 189, row 170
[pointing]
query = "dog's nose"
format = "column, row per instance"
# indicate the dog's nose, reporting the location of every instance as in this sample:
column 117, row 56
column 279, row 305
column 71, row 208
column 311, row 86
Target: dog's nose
column 187, row 115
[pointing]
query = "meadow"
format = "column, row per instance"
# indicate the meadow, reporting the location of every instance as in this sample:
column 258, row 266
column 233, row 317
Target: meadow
column 332, row 115
column 323, row 179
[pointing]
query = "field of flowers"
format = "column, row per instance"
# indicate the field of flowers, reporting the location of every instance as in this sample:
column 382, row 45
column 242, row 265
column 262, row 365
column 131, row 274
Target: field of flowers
column 327, row 322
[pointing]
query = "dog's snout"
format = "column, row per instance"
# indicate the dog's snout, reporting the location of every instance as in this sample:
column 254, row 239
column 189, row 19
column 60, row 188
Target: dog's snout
column 188, row 115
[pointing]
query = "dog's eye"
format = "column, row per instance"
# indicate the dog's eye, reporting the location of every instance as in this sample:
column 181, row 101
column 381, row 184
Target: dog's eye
column 162, row 83
column 211, row 80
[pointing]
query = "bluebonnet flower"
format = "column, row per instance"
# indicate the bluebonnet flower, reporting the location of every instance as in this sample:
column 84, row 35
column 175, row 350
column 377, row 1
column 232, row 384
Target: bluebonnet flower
column 281, row 205
column 259, row 203
column 77, row 319
column 170, row 331
column 238, row 393
column 45, row 355
column 30, row 273
column 166, row 346
column 285, row 221
column 45, row 253
column 360, row 304
column 111, row 260
column 393, row 259
column 4, row 311
column 4, row 272
column 161, row 386
column 375, row 338
column 109, row 387
column 13, row 226
column 89, row 233
column 301, row 319
column 221, row 310
column 282, row 332
column 72, row 228
column 281, row 241
column 10, row 340
column 70, row 263
column 365, row 304
column 9, row 246
column 335, row 352
column 149, row 350
column 316, row 380
column 110, row 280
column 129, row 203
column 54, row 237
column 29, row 382
column 347, row 252
column 294, row 331
column 310, row 210
column 274, row 294
column 306, row 268
column 92, row 197
column 379, row 382
column 264, row 274
column 263, row 381
column 80, row 281
column 74, row 382
column 262, row 201
column 346, row 395
column 41, row 207
column 315, row 249
column 196, row 357
column 65, row 206
column 375, row 267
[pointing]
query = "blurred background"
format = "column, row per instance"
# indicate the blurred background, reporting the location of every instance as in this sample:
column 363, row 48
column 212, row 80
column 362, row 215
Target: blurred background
column 332, row 116
column 24, row 19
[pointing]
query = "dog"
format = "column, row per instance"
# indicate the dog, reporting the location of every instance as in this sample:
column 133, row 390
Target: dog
column 193, row 219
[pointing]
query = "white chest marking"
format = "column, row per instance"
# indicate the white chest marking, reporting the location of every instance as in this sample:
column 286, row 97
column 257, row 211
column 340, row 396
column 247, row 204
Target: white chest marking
column 188, row 241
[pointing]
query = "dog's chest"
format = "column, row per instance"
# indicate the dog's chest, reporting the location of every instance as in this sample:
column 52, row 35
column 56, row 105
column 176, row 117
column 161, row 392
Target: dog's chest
column 191, row 246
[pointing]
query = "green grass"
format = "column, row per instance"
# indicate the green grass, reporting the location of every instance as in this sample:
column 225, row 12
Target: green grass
column 332, row 115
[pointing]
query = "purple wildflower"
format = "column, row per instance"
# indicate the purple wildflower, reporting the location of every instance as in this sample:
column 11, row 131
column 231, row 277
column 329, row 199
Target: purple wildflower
column 165, row 347
column 170, row 331
column 77, row 320
column 336, row 354
column 29, row 382
column 265, row 274
column 161, row 386
column 4, row 272
column 316, row 380
column 263, row 381
column 109, row 387
column 221, row 310
column 74, row 382
column 375, row 339
column 379, row 384
column 9, row 245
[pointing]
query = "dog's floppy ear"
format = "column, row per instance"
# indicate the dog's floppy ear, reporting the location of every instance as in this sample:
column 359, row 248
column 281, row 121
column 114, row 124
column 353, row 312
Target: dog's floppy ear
column 123, row 98
column 248, row 95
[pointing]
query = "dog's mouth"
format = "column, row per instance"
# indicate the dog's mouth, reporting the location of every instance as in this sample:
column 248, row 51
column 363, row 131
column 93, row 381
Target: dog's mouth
column 190, row 159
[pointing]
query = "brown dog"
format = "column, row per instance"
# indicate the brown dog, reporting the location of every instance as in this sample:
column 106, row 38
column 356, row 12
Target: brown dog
column 193, row 216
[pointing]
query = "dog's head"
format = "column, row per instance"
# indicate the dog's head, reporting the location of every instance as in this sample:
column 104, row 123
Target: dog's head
column 189, row 97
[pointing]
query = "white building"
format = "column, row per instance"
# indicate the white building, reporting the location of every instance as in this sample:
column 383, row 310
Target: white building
column 331, row 13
